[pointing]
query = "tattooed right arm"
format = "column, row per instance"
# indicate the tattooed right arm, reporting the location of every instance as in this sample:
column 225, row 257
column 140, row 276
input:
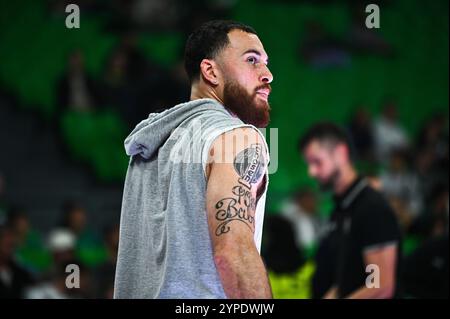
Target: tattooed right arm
column 231, row 203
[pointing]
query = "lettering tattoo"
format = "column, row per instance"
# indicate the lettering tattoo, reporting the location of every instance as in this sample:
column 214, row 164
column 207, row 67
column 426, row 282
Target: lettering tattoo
column 250, row 164
column 240, row 207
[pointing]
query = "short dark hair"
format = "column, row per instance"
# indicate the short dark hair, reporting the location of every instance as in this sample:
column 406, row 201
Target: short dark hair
column 207, row 41
column 325, row 132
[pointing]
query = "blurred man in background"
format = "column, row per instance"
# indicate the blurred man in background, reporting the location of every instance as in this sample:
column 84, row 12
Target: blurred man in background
column 14, row 279
column 401, row 185
column 361, row 134
column 30, row 251
column 104, row 273
column 302, row 212
column 76, row 89
column 363, row 230
column 388, row 132
column 88, row 243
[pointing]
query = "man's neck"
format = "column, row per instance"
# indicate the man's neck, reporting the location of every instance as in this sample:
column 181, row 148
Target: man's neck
column 347, row 178
column 199, row 91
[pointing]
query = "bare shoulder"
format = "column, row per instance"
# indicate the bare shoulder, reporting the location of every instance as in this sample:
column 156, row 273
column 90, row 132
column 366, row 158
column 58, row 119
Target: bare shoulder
column 244, row 148
column 228, row 145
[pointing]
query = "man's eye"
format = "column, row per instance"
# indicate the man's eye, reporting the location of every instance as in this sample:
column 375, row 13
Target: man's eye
column 252, row 60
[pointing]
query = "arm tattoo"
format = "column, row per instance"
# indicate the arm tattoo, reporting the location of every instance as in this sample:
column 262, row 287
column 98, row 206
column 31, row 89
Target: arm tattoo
column 240, row 208
column 250, row 164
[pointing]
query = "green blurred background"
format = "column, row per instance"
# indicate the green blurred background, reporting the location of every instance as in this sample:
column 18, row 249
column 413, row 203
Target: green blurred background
column 35, row 46
column 417, row 77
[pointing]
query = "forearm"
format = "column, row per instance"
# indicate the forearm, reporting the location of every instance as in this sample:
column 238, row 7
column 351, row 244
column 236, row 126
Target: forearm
column 231, row 201
column 331, row 293
column 243, row 276
column 371, row 293
column 385, row 260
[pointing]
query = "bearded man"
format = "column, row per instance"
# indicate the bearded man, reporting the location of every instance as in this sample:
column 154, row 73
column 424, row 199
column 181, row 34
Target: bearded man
column 194, row 196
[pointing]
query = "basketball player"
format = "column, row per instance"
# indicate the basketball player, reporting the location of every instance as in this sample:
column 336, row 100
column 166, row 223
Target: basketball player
column 194, row 195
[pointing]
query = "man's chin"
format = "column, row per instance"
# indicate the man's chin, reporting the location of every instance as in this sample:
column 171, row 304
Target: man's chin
column 261, row 101
column 325, row 186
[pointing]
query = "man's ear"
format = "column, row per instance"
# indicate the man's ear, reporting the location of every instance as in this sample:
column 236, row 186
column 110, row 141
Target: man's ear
column 343, row 153
column 209, row 71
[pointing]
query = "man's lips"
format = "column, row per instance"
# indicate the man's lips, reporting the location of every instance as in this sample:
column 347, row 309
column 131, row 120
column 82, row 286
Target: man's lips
column 264, row 92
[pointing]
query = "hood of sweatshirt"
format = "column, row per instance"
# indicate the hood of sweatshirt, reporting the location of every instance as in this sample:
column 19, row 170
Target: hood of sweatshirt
column 151, row 133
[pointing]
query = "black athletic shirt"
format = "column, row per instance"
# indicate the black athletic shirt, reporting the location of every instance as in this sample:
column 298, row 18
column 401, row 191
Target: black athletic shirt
column 362, row 220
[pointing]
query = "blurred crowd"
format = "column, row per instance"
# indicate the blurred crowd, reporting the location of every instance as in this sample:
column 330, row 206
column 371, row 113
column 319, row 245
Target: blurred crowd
column 35, row 266
column 131, row 84
column 411, row 172
column 321, row 49
column 150, row 15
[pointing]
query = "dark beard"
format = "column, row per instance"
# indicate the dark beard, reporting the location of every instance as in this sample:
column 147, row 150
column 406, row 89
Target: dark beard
column 329, row 184
column 245, row 106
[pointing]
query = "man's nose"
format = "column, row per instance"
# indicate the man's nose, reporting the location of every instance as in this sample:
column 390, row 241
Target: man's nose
column 312, row 171
column 266, row 75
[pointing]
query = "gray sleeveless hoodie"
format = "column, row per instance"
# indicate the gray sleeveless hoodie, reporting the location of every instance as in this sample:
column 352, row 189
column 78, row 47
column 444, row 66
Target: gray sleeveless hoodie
column 165, row 250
